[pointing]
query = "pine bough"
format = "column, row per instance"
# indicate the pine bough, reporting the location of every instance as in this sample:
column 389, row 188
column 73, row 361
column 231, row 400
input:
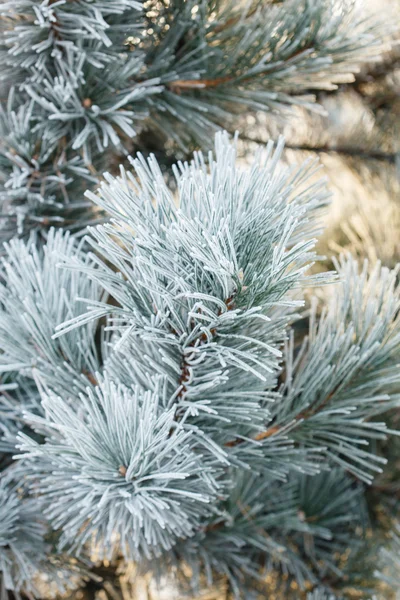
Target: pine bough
column 158, row 397
column 81, row 79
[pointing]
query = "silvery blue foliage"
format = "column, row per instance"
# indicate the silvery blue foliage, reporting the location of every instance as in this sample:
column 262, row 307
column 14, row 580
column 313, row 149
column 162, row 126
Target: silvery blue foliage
column 346, row 372
column 117, row 470
column 155, row 403
column 28, row 562
column 190, row 354
column 22, row 545
column 83, row 79
column 47, row 24
column 36, row 178
column 51, row 53
column 35, row 295
column 90, row 111
column 175, row 418
column 17, row 394
column 291, row 531
column 196, row 301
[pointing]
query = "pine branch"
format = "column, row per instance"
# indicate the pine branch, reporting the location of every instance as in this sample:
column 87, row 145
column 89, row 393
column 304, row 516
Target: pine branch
column 275, row 429
column 203, row 338
column 347, row 151
column 178, row 86
column 144, row 387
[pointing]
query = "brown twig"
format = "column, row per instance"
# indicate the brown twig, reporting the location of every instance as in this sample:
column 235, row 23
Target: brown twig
column 90, row 377
column 349, row 151
column 192, row 84
column 185, row 372
column 310, row 412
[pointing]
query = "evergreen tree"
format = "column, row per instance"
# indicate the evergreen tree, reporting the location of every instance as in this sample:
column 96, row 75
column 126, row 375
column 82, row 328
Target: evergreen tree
column 170, row 395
